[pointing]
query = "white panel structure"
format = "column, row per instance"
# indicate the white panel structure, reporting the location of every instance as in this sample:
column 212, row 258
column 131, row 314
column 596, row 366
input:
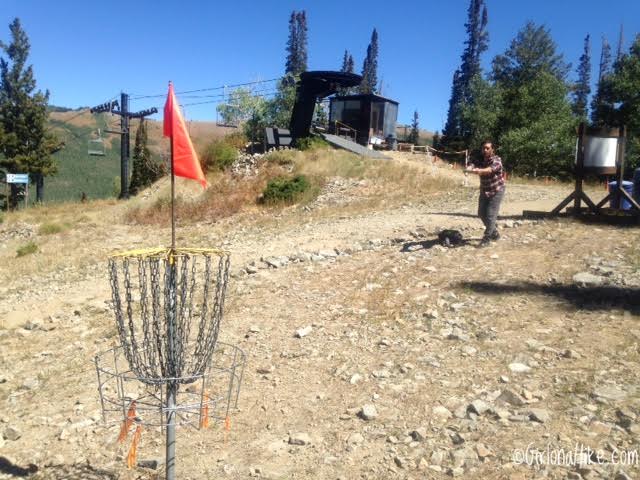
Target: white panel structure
column 600, row 152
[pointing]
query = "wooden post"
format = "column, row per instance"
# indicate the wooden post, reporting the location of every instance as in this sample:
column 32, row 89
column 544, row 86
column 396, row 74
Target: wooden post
column 579, row 170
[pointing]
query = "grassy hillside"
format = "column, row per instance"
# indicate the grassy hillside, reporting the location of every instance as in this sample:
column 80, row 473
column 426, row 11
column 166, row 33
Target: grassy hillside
column 99, row 176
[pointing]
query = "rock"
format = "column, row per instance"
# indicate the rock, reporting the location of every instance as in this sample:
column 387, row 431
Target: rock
column 461, row 411
column 303, row 332
column 30, row 384
column 437, row 457
column 600, row 427
column 469, row 350
column 465, row 456
column 265, row 369
column 400, row 462
column 458, row 334
column 254, row 329
column 441, row 412
column 478, row 406
column 328, row 253
column 355, row 378
column 622, row 476
column 368, row 412
column 519, row 367
column 504, row 379
column 355, row 438
column 625, row 417
column 456, row 438
column 586, row 279
column 511, row 397
column 456, row 472
column 151, row 464
column 539, row 415
column 482, row 451
column 299, row 438
column 12, row 433
column 419, row 435
column 610, row 393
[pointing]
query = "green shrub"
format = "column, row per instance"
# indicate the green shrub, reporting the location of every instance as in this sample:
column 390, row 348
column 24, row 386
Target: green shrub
column 51, row 228
column 311, row 143
column 280, row 157
column 285, row 190
column 219, row 155
column 27, row 249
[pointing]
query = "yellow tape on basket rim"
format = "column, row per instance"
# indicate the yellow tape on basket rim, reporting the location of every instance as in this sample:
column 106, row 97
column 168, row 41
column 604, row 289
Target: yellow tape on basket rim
column 168, row 252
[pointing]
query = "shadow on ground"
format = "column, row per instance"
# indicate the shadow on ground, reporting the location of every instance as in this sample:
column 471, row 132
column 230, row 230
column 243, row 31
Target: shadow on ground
column 61, row 472
column 585, row 298
column 473, row 215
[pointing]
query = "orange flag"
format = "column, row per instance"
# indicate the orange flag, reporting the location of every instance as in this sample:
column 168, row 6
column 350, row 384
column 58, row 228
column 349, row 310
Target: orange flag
column 185, row 161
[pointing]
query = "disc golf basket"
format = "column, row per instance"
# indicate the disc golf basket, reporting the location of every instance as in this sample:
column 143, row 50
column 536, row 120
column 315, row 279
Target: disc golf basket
column 169, row 369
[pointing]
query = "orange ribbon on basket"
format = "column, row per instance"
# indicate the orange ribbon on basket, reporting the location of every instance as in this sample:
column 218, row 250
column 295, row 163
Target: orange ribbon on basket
column 227, row 428
column 127, row 422
column 204, row 413
column 133, row 450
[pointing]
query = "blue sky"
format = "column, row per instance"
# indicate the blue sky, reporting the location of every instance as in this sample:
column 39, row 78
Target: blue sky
column 86, row 53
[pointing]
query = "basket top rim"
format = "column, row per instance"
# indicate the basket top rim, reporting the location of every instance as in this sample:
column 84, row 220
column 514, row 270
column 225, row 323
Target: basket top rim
column 167, row 252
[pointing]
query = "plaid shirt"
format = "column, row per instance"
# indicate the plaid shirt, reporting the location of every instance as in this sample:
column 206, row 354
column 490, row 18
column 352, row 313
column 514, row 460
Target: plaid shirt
column 491, row 184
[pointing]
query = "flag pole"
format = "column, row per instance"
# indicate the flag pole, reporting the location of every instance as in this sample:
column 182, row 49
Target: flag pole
column 173, row 201
column 170, row 446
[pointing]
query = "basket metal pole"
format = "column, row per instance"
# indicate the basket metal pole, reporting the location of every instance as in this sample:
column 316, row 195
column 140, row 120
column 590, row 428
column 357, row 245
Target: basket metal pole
column 172, row 384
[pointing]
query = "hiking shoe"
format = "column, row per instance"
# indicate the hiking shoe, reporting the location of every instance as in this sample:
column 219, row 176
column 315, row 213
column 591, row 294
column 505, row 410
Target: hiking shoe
column 484, row 242
column 495, row 235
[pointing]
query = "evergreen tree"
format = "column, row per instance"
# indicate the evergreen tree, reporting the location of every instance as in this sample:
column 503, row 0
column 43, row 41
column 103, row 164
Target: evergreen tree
column 582, row 88
column 620, row 51
column 457, row 132
column 535, row 128
column 297, row 55
column 347, row 67
column 452, row 132
column 482, row 114
column 145, row 172
column 303, row 53
column 347, row 63
column 414, row 134
column 25, row 144
column 620, row 94
column 370, row 66
column 435, row 141
column 604, row 69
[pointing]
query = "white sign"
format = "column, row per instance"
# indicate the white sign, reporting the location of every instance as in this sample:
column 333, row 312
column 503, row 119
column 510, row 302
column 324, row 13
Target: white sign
column 17, row 178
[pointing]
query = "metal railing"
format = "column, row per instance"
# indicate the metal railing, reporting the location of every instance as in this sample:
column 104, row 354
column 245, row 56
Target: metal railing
column 340, row 128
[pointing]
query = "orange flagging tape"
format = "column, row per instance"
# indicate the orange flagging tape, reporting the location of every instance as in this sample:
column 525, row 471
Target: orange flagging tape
column 127, row 422
column 227, row 427
column 204, row 413
column 133, row 451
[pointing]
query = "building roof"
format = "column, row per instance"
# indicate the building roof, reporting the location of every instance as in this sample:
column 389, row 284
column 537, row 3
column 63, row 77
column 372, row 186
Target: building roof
column 368, row 96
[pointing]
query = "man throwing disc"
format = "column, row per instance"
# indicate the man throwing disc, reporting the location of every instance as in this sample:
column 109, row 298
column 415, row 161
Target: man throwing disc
column 492, row 187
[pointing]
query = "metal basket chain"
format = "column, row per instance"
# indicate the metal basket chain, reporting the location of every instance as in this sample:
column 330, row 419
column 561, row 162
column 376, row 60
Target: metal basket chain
column 182, row 312
column 157, row 316
column 214, row 327
column 205, row 307
column 117, row 308
column 148, row 353
column 170, row 310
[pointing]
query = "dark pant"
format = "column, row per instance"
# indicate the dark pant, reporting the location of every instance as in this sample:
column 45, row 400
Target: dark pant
column 488, row 208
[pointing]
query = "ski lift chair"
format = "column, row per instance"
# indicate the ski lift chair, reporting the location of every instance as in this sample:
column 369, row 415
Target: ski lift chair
column 96, row 146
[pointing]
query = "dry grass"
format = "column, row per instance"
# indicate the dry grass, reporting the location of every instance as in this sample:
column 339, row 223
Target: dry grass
column 225, row 197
